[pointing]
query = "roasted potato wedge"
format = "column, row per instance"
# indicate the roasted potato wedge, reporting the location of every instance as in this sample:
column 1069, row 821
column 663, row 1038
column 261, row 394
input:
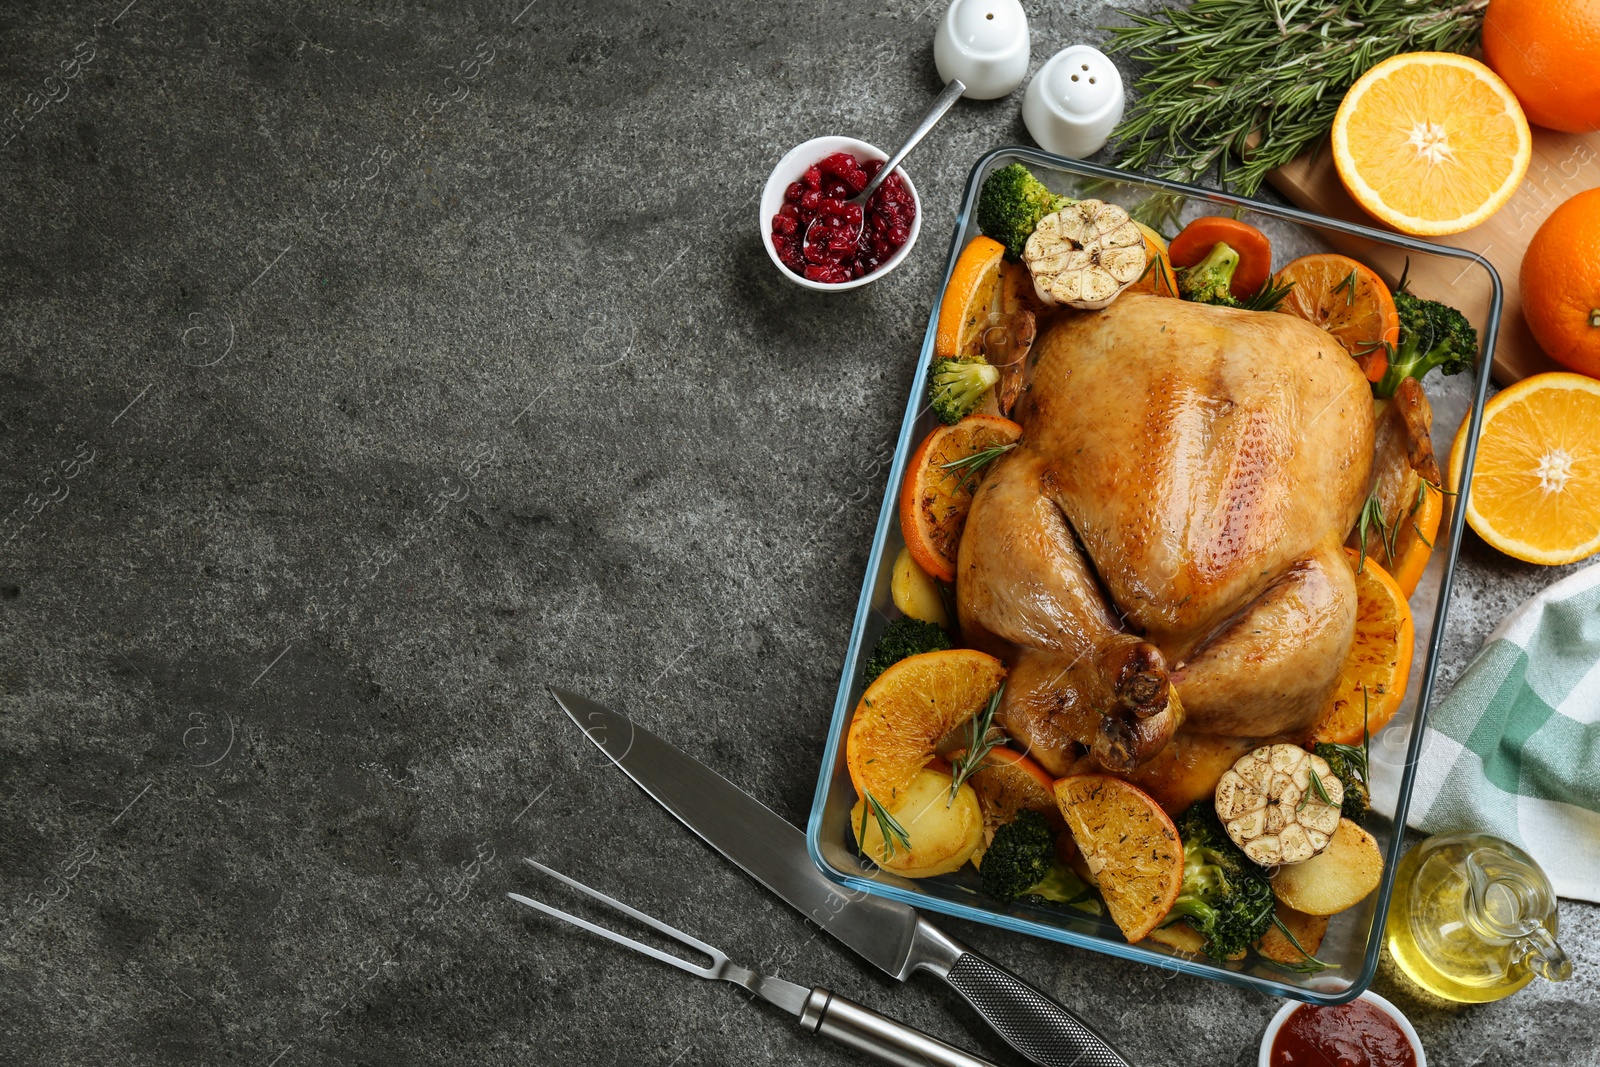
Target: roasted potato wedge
column 941, row 834
column 1307, row 929
column 1338, row 878
column 1180, row 935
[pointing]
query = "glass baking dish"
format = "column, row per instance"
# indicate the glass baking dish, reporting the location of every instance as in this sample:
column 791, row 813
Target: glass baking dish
column 1355, row 937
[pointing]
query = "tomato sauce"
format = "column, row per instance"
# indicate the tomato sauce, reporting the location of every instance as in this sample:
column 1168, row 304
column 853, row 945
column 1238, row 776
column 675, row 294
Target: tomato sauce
column 1357, row 1034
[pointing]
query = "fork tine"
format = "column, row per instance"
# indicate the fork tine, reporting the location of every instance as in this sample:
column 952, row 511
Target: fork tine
column 716, row 954
column 612, row 935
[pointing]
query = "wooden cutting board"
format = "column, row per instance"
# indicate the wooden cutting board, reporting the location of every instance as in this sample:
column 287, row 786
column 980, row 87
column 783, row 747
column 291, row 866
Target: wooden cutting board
column 1563, row 164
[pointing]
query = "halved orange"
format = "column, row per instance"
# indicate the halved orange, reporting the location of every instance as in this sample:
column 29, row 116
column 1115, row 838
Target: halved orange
column 1535, row 488
column 1431, row 142
column 1348, row 300
column 1372, row 681
column 1006, row 783
column 1130, row 846
column 908, row 710
column 934, row 497
column 973, row 292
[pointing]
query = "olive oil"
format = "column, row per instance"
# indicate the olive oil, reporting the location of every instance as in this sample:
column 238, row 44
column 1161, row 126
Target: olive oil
column 1473, row 919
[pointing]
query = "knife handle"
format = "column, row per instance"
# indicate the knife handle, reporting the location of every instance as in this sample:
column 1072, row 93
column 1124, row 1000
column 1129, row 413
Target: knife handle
column 1031, row 1022
column 865, row 1030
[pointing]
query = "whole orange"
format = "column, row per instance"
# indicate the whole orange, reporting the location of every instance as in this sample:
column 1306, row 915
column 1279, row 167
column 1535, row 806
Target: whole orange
column 1548, row 51
column 1561, row 284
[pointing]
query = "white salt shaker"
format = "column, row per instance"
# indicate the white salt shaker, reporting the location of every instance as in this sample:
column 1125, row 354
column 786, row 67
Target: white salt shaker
column 985, row 44
column 1073, row 102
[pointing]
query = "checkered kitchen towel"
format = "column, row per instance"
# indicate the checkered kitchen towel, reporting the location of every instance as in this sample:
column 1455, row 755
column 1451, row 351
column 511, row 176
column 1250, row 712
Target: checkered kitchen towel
column 1514, row 749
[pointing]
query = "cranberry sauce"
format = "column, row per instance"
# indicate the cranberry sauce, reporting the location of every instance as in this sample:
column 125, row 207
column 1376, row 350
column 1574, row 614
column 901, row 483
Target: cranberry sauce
column 839, row 248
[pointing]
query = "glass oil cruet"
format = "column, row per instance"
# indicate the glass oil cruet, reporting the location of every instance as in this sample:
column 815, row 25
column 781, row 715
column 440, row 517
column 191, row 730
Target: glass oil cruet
column 1474, row 919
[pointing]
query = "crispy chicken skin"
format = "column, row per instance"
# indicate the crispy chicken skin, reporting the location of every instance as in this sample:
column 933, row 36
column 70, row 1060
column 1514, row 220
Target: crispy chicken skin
column 1162, row 550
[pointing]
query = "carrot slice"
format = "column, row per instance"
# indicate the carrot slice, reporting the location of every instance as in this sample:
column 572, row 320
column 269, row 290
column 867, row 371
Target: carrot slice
column 1349, row 301
column 1203, row 234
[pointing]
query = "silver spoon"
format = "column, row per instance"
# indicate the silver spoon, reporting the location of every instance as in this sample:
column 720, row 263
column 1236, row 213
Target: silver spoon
column 942, row 103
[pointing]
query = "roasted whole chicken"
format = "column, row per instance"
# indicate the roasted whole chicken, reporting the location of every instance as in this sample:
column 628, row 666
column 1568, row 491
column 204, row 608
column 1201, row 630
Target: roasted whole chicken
column 1159, row 561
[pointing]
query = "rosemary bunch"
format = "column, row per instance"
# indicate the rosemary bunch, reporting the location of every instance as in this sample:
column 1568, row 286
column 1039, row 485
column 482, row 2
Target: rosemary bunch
column 1242, row 86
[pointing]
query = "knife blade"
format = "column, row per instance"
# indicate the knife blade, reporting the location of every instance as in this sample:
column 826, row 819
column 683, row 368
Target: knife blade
column 888, row 934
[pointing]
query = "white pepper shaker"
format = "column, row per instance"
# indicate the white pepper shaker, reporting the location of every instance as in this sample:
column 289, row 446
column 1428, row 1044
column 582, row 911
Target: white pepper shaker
column 1073, row 102
column 985, row 44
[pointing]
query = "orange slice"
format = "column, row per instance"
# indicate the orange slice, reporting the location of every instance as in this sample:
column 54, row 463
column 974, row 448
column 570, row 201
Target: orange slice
column 1372, row 682
column 934, row 497
column 1006, row 783
column 1535, row 488
column 1158, row 279
column 1130, row 846
column 1413, row 542
column 1431, row 142
column 1349, row 301
column 907, row 711
column 973, row 292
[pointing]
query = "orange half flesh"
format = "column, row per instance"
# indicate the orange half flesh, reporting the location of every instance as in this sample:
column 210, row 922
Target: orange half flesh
column 1431, row 142
column 1536, row 484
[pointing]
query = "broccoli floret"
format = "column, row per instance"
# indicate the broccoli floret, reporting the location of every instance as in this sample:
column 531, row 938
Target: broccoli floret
column 1350, row 765
column 1224, row 896
column 1209, row 281
column 1011, row 204
column 1431, row 335
column 956, row 386
column 1021, row 865
column 904, row 637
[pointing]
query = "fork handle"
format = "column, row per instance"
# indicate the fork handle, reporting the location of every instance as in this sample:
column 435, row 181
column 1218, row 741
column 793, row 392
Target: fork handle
column 865, row 1030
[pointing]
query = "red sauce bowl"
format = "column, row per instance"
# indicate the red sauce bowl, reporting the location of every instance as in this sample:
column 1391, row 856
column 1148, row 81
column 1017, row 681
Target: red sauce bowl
column 789, row 170
column 1367, row 1011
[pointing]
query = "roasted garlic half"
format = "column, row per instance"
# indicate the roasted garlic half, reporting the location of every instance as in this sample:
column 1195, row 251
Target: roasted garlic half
column 1085, row 254
column 1274, row 809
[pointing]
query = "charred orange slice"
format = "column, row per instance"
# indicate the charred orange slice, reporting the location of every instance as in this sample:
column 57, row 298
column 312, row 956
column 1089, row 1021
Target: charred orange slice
column 905, row 713
column 1413, row 542
column 1372, row 682
column 1348, row 300
column 1130, row 846
column 1158, row 279
column 974, row 291
column 941, row 478
column 1006, row 783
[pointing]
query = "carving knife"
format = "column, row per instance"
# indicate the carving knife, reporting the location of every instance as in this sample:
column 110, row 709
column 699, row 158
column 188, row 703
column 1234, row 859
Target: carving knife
column 886, row 933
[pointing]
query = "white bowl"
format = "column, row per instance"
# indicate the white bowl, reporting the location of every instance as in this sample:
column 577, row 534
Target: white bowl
column 1372, row 998
column 791, row 167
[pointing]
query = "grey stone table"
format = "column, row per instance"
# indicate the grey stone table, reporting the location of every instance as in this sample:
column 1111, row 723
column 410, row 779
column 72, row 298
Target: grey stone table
column 367, row 368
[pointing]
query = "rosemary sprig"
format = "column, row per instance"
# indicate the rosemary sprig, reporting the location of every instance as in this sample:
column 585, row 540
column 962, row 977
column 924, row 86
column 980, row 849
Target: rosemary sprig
column 1348, row 288
column 981, row 740
column 1372, row 517
column 1320, row 789
column 1416, row 505
column 1240, row 87
column 888, row 827
column 1310, row 965
column 973, row 466
column 1269, row 296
